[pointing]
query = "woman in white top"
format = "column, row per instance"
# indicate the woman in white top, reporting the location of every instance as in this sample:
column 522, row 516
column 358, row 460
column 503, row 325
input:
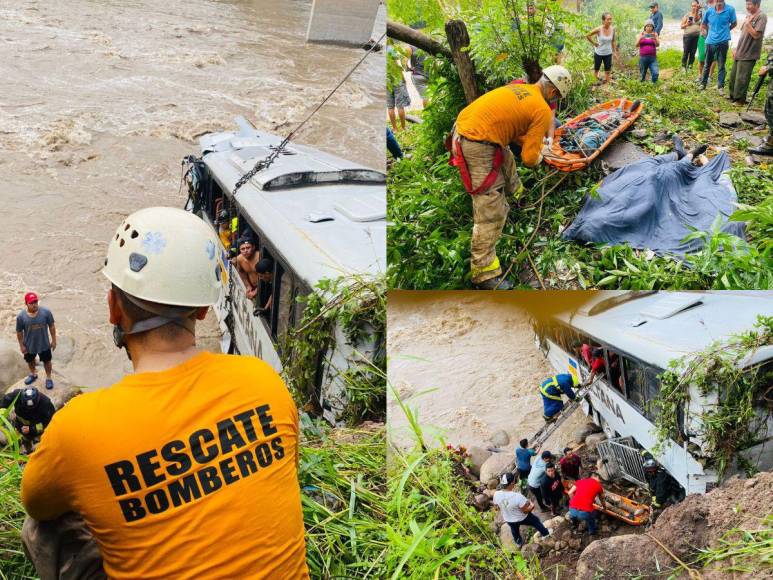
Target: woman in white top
column 605, row 46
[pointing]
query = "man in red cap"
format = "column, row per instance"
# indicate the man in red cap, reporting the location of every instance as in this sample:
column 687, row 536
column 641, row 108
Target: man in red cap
column 32, row 328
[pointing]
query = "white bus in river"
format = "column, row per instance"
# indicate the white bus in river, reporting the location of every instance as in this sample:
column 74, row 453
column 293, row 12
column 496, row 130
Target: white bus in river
column 315, row 215
column 640, row 334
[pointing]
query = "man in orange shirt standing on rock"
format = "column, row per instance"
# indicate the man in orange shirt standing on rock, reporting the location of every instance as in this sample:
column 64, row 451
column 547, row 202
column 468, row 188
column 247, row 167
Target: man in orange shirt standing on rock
column 186, row 468
column 517, row 114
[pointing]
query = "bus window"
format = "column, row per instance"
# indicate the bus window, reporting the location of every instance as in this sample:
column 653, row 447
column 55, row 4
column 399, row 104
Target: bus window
column 643, row 387
column 284, row 296
column 614, row 374
column 266, row 288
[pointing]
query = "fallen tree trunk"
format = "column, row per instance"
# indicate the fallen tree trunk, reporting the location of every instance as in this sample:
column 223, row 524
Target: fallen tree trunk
column 458, row 40
column 415, row 38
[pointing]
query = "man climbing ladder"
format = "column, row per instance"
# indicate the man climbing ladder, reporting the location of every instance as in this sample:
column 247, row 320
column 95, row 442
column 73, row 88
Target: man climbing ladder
column 551, row 391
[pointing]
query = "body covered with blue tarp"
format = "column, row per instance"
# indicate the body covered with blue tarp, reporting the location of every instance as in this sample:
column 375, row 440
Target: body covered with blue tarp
column 654, row 203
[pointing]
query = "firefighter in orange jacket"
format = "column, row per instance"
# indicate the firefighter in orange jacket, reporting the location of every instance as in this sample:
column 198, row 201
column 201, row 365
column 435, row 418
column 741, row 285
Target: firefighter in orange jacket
column 515, row 113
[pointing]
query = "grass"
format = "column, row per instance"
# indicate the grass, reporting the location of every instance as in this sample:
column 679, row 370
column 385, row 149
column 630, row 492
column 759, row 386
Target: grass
column 13, row 563
column 742, row 551
column 433, row 532
column 344, row 501
column 430, row 214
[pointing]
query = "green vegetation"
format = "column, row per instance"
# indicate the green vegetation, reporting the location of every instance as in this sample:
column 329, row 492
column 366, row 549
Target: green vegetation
column 433, row 531
column 13, row 562
column 344, row 505
column 430, row 214
column 733, row 419
column 742, row 551
column 358, row 305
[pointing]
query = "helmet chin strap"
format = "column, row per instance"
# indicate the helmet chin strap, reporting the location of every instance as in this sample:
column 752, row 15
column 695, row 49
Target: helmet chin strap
column 164, row 315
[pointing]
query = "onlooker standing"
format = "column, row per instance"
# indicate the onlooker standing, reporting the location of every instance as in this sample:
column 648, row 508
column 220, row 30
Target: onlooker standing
column 570, row 464
column 604, row 47
column 717, row 24
column 766, row 148
column 537, row 477
column 748, row 51
column 656, row 16
column 516, row 509
column 691, row 27
column 397, row 92
column 553, row 489
column 582, row 495
column 702, row 46
column 523, row 455
column 648, row 43
column 32, row 328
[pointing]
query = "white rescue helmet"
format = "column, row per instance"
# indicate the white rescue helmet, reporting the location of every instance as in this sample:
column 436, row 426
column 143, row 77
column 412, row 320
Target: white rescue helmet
column 560, row 77
column 165, row 255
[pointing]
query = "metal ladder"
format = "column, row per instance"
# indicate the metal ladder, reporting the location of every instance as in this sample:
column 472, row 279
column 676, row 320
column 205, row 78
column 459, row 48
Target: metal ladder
column 544, row 433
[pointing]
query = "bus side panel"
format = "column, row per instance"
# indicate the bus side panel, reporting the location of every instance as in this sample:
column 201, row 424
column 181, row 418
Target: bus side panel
column 624, row 419
column 251, row 334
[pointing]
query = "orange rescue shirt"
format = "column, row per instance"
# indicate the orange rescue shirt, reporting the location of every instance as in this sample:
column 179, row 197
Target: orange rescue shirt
column 185, row 473
column 510, row 114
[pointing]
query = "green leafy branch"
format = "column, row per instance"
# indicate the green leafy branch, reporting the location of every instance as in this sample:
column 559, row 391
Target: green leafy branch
column 732, row 419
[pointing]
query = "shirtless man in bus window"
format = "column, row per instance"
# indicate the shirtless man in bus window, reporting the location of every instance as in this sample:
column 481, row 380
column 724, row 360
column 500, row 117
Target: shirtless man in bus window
column 246, row 262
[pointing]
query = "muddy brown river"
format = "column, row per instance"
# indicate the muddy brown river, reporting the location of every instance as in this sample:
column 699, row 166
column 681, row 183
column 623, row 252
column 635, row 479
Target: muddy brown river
column 101, row 102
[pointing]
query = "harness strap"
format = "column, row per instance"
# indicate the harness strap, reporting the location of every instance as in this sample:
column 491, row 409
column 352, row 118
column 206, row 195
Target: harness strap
column 457, row 160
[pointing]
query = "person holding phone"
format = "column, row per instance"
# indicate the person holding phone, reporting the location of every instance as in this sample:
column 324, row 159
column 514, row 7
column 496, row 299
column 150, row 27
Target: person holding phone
column 648, row 43
column 691, row 25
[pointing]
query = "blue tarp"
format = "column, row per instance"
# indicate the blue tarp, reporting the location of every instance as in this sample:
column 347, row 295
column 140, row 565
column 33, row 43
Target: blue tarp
column 653, row 203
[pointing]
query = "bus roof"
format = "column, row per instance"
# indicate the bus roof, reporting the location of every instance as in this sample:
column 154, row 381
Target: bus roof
column 662, row 326
column 325, row 215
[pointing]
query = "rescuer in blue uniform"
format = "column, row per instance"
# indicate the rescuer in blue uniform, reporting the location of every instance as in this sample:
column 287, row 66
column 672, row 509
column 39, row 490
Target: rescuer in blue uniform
column 551, row 391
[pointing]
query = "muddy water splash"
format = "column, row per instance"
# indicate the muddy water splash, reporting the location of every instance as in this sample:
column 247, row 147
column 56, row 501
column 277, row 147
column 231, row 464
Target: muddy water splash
column 467, row 362
column 106, row 99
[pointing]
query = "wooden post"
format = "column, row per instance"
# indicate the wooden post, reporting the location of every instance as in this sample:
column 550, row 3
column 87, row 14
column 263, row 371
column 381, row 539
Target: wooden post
column 415, row 38
column 458, row 39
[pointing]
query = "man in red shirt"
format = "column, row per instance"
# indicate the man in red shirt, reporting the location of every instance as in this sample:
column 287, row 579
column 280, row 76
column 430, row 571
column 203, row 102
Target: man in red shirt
column 570, row 464
column 583, row 494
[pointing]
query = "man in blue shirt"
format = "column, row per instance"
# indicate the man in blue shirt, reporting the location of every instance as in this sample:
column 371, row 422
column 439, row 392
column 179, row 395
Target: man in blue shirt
column 656, row 16
column 717, row 24
column 551, row 391
column 537, row 477
column 523, row 455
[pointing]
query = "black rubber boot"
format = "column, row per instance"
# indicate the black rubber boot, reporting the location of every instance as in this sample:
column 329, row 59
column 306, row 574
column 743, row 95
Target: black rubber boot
column 497, row 283
column 699, row 150
column 679, row 146
column 765, row 149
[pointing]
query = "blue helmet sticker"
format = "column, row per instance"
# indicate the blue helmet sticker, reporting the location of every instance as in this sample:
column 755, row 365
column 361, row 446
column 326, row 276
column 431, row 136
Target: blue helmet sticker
column 154, row 242
column 211, row 249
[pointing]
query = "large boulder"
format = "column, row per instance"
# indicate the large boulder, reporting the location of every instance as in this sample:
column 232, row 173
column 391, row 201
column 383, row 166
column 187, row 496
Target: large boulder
column 587, row 429
column 478, row 457
column 622, row 557
column 684, row 527
column 495, row 465
column 621, row 153
column 500, row 439
column 730, row 119
column 591, row 441
column 62, row 392
column 12, row 365
column 65, row 350
column 754, row 117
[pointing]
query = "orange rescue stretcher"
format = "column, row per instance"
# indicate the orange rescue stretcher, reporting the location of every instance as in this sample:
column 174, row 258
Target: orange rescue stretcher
column 620, row 507
column 572, row 161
